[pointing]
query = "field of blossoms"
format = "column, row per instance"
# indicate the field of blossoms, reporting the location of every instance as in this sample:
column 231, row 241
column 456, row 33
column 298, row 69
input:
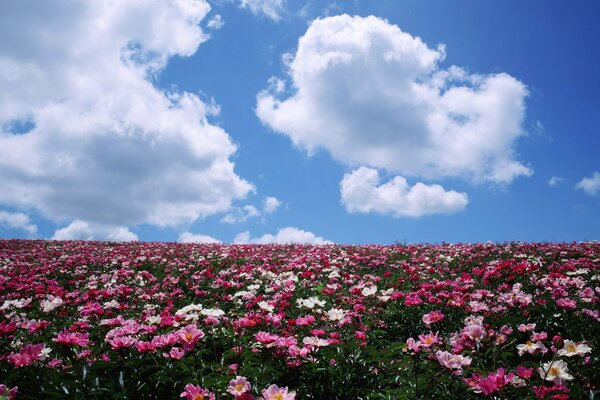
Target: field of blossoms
column 97, row 320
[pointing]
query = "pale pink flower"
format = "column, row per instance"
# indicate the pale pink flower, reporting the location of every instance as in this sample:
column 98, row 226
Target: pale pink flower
column 455, row 362
column 238, row 386
column 274, row 392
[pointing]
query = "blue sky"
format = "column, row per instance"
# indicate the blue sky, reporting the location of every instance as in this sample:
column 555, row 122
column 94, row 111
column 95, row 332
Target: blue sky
column 256, row 121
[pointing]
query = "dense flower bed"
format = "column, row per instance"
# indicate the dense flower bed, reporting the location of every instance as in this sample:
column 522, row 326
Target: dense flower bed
column 163, row 321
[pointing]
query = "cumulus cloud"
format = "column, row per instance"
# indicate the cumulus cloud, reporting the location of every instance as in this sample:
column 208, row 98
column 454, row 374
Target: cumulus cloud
column 362, row 192
column 271, row 204
column 590, row 185
column 188, row 237
column 284, row 235
column 17, row 220
column 373, row 95
column 269, row 8
column 103, row 144
column 82, row 230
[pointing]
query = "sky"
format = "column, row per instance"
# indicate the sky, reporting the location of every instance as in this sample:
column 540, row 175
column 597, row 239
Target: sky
column 261, row 121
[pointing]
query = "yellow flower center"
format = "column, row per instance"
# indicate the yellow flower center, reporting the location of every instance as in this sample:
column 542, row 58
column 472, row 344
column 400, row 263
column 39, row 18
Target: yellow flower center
column 198, row 396
column 554, row 371
column 278, row 396
column 572, row 348
column 189, row 337
column 238, row 387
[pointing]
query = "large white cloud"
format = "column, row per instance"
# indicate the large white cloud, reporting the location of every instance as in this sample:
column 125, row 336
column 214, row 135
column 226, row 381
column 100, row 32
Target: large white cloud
column 82, row 230
column 373, row 95
column 362, row 192
column 285, row 235
column 106, row 145
column 590, row 185
column 17, row 220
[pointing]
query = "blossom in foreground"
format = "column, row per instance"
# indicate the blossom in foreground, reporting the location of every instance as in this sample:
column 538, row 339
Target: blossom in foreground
column 238, row 386
column 274, row 392
column 195, row 392
column 6, row 393
column 556, row 371
column 571, row 348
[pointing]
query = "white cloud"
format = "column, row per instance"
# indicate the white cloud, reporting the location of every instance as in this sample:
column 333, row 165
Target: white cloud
column 362, row 192
column 81, row 230
column 188, row 237
column 107, row 146
column 17, row 220
column 271, row 204
column 373, row 95
column 555, row 181
column 239, row 215
column 215, row 23
column 270, row 8
column 590, row 185
column 284, row 235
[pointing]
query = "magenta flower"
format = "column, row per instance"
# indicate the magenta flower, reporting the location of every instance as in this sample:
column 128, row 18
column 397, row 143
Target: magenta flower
column 73, row 338
column 8, row 394
column 194, row 392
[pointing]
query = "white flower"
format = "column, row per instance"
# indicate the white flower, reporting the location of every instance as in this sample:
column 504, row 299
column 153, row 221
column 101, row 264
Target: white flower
column 315, row 341
column 265, row 306
column 571, row 348
column 530, row 347
column 212, row 312
column 153, row 320
column 44, row 353
column 311, row 302
column 369, row 291
column 336, row 314
column 556, row 371
column 112, row 304
column 51, row 304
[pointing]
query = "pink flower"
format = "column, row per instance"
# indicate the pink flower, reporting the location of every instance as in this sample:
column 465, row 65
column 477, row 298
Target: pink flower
column 72, row 338
column 265, row 337
column 451, row 361
column 238, row 386
column 121, row 341
column 176, row 353
column 495, row 381
column 189, row 336
column 429, row 340
column 194, row 392
column 274, row 392
column 432, row 317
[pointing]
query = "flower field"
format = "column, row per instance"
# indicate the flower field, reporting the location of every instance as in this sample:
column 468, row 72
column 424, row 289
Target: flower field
column 96, row 320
